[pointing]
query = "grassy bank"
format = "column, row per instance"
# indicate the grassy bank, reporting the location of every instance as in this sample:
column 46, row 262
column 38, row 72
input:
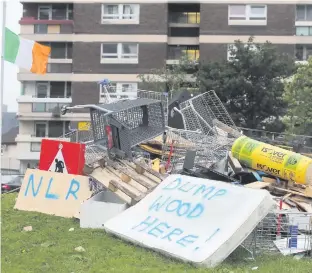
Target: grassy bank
column 49, row 248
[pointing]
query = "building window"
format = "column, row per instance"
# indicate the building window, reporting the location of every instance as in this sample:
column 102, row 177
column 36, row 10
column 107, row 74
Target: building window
column 51, row 128
column 247, row 15
column 231, row 47
column 60, row 50
column 118, row 91
column 120, row 13
column 35, row 146
column 2, row 149
column 119, row 53
column 40, row 129
column 304, row 13
column 177, row 52
column 55, row 12
column 53, row 90
column 303, row 52
column 303, row 31
column 41, row 29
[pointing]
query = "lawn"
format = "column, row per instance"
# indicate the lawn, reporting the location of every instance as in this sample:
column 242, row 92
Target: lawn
column 49, row 248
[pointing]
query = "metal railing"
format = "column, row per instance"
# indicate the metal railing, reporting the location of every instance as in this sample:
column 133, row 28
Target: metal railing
column 176, row 53
column 46, row 107
column 184, row 17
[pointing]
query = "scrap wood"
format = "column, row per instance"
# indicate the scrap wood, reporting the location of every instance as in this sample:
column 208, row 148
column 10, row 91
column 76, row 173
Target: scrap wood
column 307, row 192
column 257, row 185
column 150, row 174
column 226, row 128
column 114, row 186
column 289, row 191
column 268, row 179
column 234, row 163
column 130, row 182
column 305, row 206
column 130, row 172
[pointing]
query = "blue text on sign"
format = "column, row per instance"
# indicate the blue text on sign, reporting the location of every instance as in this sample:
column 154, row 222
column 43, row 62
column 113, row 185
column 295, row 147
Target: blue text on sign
column 36, row 187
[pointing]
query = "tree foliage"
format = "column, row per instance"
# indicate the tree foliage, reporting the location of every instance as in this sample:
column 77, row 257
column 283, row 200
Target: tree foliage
column 171, row 78
column 298, row 95
column 250, row 84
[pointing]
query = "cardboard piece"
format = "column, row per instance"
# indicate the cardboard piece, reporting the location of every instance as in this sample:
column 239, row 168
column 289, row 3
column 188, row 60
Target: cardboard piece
column 53, row 193
column 62, row 156
column 100, row 208
column 188, row 218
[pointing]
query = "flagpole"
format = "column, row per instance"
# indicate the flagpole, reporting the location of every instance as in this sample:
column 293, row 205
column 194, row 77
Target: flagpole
column 2, row 65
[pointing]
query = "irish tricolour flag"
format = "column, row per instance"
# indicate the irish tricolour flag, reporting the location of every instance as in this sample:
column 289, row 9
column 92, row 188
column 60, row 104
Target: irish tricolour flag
column 25, row 53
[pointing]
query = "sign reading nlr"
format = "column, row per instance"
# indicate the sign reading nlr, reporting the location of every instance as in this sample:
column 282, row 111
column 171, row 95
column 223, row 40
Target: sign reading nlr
column 35, row 189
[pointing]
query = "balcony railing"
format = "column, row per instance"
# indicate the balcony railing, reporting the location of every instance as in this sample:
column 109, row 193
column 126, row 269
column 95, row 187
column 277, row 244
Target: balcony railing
column 184, row 17
column 176, row 53
column 47, row 107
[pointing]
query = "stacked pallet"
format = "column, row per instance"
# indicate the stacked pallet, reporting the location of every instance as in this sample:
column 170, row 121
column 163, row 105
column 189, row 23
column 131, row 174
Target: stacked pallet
column 131, row 181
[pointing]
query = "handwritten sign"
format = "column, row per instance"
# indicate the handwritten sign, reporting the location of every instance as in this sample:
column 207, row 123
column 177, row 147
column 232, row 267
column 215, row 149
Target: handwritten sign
column 196, row 220
column 53, row 193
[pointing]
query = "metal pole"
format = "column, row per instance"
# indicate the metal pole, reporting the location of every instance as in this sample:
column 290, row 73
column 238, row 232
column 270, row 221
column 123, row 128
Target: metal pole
column 3, row 15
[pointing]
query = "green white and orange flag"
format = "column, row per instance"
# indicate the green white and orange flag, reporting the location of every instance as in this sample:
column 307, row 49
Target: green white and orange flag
column 25, row 53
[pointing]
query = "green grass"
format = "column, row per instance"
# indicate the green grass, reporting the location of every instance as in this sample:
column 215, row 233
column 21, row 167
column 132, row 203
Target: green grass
column 49, row 248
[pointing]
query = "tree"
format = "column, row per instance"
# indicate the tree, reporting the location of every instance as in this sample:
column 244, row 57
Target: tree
column 250, row 84
column 298, row 95
column 171, row 78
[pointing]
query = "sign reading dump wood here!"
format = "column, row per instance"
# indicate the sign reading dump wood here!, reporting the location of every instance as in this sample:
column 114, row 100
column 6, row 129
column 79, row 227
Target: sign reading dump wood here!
column 196, row 220
column 53, row 193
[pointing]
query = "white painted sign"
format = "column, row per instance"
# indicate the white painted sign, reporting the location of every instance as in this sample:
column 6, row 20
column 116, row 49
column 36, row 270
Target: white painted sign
column 58, row 164
column 196, row 220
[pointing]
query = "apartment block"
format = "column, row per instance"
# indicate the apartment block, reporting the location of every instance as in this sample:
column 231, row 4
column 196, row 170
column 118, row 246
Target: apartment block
column 118, row 40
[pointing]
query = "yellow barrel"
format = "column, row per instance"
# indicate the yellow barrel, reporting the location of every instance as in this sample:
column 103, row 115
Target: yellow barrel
column 273, row 160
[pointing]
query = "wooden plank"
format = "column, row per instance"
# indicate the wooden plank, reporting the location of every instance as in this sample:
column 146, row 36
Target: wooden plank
column 307, row 207
column 234, row 163
column 289, row 191
column 257, row 185
column 268, row 179
column 146, row 168
column 155, row 179
column 147, row 183
column 226, row 128
column 131, row 183
column 103, row 176
column 117, row 185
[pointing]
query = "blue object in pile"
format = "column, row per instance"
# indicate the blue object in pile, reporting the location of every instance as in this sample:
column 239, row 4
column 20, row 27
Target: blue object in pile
column 104, row 82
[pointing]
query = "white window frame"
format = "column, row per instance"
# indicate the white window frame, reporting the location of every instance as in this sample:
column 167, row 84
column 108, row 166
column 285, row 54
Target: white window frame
column 304, row 54
column 229, row 51
column 119, row 17
column 66, row 52
column 249, row 19
column 50, row 10
column 48, row 84
column 35, row 150
column 119, row 91
column 120, row 56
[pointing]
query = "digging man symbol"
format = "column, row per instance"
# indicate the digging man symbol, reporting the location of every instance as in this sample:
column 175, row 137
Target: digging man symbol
column 59, row 166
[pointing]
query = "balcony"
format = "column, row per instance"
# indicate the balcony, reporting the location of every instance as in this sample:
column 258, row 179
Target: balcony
column 45, row 111
column 49, row 92
column 184, row 19
column 177, row 52
column 47, row 19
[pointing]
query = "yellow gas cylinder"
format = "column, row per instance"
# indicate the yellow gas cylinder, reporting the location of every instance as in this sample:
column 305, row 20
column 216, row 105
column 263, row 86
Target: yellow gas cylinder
column 273, row 160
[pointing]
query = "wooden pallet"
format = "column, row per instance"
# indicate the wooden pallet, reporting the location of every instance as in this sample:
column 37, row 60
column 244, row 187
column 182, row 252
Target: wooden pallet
column 131, row 181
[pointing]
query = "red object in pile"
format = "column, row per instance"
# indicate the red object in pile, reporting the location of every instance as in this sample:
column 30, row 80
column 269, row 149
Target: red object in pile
column 62, row 156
